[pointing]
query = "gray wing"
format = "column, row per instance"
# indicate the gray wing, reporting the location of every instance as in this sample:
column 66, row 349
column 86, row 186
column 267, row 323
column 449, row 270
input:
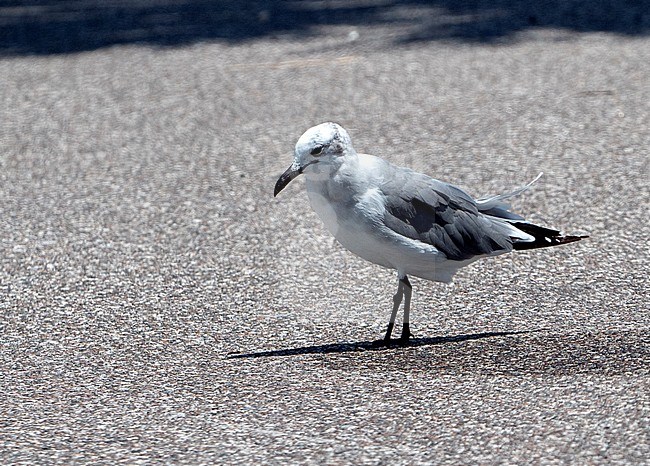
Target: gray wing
column 441, row 215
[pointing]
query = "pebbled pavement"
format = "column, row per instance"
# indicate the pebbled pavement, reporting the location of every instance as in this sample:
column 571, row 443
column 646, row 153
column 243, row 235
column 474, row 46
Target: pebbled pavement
column 159, row 306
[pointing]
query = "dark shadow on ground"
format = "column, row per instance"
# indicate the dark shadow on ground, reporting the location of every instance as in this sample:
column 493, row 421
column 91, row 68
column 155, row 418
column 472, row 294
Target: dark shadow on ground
column 536, row 352
column 66, row 26
column 377, row 345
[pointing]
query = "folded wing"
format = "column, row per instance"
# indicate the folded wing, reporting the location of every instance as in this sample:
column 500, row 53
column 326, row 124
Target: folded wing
column 445, row 217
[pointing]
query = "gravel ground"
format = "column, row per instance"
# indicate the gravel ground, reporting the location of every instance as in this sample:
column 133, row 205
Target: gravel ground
column 158, row 305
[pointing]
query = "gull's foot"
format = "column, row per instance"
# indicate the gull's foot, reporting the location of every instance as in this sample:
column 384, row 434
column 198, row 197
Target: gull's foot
column 406, row 334
column 389, row 342
column 389, row 331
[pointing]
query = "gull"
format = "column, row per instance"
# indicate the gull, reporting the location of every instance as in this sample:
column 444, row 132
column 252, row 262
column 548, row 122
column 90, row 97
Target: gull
column 404, row 220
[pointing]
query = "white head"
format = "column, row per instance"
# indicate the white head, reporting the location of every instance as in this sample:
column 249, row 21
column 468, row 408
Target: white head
column 325, row 144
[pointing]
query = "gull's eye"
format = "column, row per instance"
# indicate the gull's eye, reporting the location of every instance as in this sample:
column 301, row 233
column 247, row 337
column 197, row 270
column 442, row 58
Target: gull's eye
column 316, row 150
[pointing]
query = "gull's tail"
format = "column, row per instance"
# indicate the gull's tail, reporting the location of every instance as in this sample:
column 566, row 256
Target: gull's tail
column 524, row 235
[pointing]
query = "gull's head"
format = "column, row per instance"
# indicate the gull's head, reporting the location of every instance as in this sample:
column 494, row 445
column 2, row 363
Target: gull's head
column 320, row 145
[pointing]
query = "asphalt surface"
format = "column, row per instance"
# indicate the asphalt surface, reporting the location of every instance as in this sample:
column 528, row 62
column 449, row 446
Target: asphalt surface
column 158, row 305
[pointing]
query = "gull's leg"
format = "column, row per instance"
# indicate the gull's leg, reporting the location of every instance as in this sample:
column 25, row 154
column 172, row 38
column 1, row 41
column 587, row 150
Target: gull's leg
column 407, row 290
column 397, row 300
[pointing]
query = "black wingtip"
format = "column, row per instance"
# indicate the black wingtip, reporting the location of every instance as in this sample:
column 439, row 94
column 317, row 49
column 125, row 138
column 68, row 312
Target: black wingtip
column 544, row 237
column 570, row 239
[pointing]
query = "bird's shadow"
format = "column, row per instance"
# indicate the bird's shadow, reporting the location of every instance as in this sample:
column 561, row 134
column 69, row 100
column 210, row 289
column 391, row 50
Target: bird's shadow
column 376, row 345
